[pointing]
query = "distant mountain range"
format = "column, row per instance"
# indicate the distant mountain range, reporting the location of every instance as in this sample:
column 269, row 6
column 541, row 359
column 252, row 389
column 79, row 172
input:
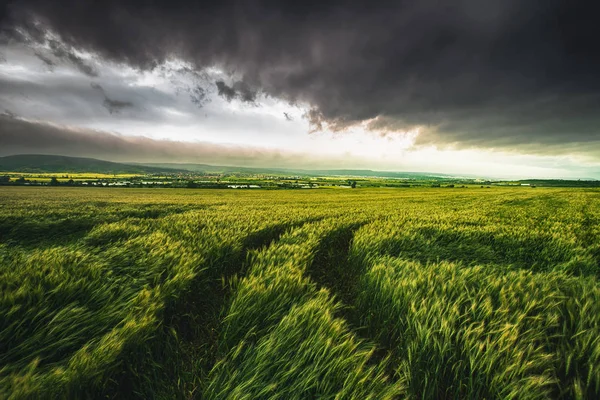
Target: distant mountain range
column 37, row 163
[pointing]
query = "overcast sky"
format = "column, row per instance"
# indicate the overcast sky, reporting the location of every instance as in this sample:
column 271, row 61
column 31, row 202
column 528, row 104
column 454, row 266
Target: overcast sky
column 492, row 88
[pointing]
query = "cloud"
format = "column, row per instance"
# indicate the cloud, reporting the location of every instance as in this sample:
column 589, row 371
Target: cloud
column 161, row 104
column 197, row 84
column 63, row 52
column 45, row 59
column 116, row 106
column 225, row 91
column 239, row 90
column 62, row 97
column 113, row 106
column 467, row 73
column 198, row 95
column 20, row 136
column 46, row 47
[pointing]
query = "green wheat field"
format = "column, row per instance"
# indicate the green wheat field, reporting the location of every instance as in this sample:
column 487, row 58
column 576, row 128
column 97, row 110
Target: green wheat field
column 428, row 293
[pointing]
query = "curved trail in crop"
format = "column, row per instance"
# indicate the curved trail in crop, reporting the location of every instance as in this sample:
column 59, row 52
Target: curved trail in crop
column 333, row 269
column 587, row 235
column 330, row 267
column 281, row 322
column 200, row 325
column 221, row 289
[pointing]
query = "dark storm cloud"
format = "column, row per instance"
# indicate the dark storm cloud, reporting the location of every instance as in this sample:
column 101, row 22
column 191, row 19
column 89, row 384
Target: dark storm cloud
column 239, row 90
column 474, row 73
column 62, row 52
column 113, row 106
column 225, row 91
column 19, row 136
column 116, row 106
column 198, row 95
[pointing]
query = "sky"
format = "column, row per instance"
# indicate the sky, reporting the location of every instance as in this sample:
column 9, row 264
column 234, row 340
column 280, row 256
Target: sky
column 468, row 87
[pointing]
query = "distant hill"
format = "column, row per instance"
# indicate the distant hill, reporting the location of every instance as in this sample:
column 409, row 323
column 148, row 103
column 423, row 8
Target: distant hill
column 37, row 163
column 219, row 169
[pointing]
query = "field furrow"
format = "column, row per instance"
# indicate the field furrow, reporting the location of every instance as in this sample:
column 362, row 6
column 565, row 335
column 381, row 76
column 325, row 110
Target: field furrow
column 282, row 337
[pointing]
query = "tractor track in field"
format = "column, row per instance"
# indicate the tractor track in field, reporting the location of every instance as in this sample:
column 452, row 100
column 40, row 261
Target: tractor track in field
column 333, row 269
column 587, row 236
column 201, row 324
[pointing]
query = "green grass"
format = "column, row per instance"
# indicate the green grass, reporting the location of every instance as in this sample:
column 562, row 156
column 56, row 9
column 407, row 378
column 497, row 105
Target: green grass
column 330, row 294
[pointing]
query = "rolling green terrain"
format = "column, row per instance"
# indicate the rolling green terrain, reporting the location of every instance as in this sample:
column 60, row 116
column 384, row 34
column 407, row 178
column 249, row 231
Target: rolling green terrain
column 32, row 163
column 418, row 293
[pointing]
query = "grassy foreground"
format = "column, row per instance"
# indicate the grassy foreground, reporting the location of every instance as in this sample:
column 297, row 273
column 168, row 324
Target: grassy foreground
column 330, row 294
